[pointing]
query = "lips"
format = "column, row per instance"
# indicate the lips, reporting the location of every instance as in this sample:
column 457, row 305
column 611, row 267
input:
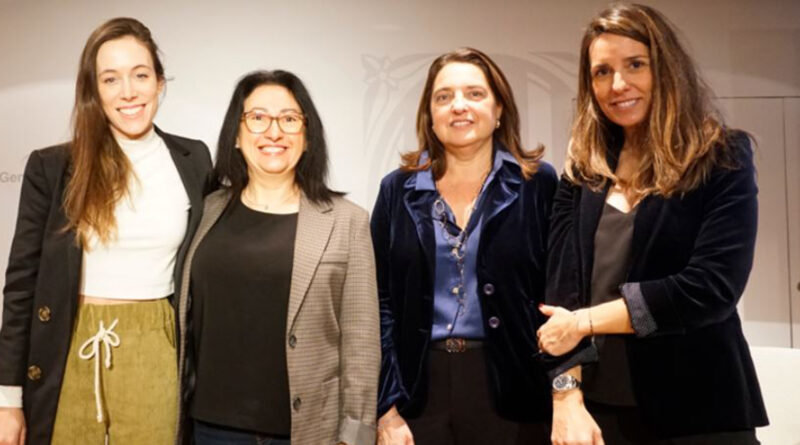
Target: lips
column 461, row 123
column 625, row 104
column 272, row 149
column 131, row 111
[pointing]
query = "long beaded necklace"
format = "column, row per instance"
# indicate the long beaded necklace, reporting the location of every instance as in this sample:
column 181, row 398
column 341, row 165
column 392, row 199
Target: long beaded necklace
column 457, row 243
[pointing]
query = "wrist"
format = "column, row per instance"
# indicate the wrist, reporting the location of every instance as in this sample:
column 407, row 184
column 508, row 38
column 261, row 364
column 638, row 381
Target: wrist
column 569, row 397
column 585, row 324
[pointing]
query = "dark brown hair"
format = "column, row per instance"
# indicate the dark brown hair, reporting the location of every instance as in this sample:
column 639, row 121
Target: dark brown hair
column 508, row 133
column 683, row 137
column 100, row 171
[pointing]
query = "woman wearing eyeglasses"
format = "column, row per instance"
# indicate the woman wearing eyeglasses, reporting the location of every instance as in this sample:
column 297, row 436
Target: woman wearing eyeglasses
column 284, row 311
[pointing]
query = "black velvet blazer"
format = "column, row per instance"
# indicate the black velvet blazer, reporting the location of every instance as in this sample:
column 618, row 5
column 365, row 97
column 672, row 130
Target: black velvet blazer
column 510, row 270
column 42, row 279
column 691, row 257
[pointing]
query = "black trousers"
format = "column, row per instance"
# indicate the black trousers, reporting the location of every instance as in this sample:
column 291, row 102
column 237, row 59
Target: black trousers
column 622, row 425
column 459, row 408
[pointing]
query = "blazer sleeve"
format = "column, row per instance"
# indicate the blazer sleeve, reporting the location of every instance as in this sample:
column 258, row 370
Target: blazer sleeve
column 23, row 268
column 390, row 389
column 563, row 273
column 360, row 349
column 707, row 290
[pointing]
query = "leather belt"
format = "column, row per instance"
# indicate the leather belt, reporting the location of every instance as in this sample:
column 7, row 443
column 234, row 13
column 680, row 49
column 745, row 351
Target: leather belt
column 455, row 344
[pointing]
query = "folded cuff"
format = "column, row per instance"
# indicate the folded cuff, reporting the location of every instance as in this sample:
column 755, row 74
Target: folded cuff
column 641, row 319
column 353, row 432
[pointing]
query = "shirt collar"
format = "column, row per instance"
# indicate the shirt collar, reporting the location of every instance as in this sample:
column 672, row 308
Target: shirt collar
column 422, row 180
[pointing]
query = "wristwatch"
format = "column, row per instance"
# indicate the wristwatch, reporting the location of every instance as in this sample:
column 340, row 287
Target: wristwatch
column 565, row 382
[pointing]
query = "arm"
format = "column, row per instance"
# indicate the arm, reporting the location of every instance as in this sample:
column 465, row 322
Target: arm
column 23, row 268
column 704, row 292
column 392, row 428
column 359, row 340
column 563, row 275
column 572, row 423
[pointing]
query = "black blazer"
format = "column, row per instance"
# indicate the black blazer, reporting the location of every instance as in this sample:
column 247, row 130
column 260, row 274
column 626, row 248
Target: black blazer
column 510, row 271
column 42, row 279
column 691, row 256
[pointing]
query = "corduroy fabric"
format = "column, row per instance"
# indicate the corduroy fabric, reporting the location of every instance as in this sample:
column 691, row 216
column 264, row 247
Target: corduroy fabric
column 139, row 391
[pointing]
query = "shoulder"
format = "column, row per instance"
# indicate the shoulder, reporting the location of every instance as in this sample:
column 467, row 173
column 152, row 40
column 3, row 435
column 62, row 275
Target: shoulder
column 396, row 179
column 343, row 208
column 545, row 180
column 49, row 162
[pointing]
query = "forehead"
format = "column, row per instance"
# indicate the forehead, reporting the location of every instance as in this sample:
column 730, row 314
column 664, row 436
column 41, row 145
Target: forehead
column 459, row 74
column 123, row 53
column 609, row 47
column 273, row 98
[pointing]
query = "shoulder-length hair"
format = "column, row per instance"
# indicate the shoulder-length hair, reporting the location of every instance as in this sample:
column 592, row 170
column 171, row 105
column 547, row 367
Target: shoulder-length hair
column 311, row 172
column 508, row 133
column 100, row 171
column 683, row 137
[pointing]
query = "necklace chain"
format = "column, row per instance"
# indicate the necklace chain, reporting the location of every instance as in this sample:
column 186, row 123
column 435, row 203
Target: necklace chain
column 255, row 204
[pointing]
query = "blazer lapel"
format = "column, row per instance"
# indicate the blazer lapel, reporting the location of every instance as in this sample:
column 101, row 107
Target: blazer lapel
column 419, row 206
column 314, row 226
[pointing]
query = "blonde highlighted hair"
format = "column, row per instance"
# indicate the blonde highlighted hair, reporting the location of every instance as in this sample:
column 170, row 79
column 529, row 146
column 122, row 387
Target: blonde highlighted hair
column 683, row 138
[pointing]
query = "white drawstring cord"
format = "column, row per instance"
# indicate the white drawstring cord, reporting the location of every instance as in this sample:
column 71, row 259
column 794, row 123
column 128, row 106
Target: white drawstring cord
column 108, row 338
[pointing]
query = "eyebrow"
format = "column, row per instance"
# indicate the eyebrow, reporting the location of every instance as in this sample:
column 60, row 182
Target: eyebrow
column 141, row 65
column 627, row 59
column 295, row 110
column 466, row 87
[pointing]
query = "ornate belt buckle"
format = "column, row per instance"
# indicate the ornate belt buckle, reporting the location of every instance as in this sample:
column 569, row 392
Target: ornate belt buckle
column 455, row 345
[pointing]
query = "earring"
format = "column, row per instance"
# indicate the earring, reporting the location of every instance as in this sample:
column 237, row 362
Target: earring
column 497, row 124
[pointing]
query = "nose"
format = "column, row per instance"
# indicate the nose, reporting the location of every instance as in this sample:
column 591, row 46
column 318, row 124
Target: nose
column 128, row 90
column 619, row 83
column 459, row 103
column 274, row 132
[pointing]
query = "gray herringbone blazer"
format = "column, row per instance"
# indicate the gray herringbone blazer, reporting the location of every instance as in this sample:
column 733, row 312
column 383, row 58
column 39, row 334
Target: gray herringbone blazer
column 332, row 327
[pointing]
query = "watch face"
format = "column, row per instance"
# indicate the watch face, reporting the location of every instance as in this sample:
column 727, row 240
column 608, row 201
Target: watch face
column 563, row 381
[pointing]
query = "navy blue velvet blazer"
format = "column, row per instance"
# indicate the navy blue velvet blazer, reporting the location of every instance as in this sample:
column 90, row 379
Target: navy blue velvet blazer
column 511, row 272
column 691, row 257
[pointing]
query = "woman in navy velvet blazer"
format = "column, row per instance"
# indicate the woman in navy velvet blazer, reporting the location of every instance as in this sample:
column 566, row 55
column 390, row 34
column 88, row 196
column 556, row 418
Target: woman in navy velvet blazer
column 460, row 233
column 651, row 244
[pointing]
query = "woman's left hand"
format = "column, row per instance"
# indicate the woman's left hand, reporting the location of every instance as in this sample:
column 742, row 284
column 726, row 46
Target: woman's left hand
column 562, row 331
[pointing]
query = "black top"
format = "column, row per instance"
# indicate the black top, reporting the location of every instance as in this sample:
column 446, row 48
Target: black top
column 241, row 277
column 609, row 380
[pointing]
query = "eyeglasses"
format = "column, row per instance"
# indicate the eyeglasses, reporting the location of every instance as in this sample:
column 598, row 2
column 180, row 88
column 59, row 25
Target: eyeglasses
column 259, row 121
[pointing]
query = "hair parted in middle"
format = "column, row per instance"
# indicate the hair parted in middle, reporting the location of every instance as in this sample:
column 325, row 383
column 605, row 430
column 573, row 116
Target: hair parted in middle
column 508, row 133
column 311, row 172
column 682, row 135
column 100, row 171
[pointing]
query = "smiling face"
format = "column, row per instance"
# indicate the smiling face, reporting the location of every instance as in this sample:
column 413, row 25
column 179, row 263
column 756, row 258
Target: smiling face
column 273, row 152
column 463, row 109
column 622, row 80
column 128, row 86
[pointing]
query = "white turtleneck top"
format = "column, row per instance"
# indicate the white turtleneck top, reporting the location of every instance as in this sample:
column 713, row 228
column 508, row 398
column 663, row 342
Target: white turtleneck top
column 138, row 263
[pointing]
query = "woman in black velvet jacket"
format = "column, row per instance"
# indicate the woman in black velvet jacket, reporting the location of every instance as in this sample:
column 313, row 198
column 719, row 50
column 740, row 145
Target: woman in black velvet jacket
column 658, row 204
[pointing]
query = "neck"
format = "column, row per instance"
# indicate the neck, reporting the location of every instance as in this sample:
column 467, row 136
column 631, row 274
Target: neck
column 468, row 163
column 266, row 190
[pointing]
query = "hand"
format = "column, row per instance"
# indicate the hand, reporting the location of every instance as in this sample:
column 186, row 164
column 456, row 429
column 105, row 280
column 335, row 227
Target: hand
column 393, row 429
column 12, row 426
column 572, row 424
column 561, row 333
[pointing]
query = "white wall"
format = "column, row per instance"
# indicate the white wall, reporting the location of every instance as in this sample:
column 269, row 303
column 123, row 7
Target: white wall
column 364, row 62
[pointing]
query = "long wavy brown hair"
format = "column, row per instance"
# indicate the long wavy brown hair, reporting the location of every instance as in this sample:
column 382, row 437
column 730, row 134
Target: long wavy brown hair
column 508, row 133
column 100, row 171
column 683, row 137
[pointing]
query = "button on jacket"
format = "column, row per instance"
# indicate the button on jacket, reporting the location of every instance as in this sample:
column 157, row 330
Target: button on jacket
column 510, row 272
column 41, row 288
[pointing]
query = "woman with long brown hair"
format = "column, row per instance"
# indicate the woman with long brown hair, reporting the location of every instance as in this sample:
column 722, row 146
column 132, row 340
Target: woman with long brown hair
column 651, row 243
column 87, row 348
column 459, row 232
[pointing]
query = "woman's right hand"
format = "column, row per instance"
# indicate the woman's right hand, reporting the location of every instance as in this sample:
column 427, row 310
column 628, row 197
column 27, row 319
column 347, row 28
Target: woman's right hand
column 393, row 429
column 12, row 426
column 572, row 423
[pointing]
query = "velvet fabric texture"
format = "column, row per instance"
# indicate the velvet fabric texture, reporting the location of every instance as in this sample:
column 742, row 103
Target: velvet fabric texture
column 510, row 271
column 691, row 256
column 44, row 269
